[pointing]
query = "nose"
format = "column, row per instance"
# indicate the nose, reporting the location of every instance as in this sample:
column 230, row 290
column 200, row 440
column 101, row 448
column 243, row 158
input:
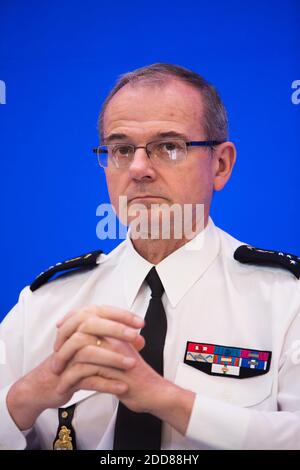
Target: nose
column 141, row 166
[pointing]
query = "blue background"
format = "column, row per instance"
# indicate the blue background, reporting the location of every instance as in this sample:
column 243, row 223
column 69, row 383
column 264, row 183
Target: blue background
column 60, row 58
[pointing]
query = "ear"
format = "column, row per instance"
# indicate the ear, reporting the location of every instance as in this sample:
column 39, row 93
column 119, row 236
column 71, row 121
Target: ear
column 224, row 157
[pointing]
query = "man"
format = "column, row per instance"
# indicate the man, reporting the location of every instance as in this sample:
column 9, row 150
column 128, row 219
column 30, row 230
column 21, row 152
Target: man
column 214, row 364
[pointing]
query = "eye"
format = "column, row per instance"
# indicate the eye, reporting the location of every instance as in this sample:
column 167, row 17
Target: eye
column 121, row 150
column 169, row 146
column 165, row 146
column 169, row 150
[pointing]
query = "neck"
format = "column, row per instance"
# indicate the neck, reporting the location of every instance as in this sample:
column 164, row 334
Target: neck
column 155, row 250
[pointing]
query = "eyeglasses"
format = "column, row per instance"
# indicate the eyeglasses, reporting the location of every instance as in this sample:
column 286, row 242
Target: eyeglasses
column 121, row 155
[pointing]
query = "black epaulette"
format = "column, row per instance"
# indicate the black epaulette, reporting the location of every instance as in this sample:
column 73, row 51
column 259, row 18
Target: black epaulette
column 89, row 260
column 250, row 255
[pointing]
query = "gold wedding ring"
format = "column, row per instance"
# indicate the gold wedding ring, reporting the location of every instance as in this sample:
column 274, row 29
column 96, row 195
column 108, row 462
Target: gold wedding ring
column 98, row 342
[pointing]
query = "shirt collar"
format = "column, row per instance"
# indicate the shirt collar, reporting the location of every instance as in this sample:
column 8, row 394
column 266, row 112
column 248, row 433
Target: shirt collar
column 178, row 271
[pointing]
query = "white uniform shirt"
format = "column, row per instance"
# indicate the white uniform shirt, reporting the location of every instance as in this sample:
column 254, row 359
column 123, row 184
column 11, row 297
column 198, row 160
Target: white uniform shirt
column 209, row 298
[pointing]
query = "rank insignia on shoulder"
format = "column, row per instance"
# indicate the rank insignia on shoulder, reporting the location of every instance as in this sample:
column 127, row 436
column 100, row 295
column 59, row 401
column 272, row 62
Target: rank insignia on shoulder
column 250, row 255
column 227, row 361
column 88, row 260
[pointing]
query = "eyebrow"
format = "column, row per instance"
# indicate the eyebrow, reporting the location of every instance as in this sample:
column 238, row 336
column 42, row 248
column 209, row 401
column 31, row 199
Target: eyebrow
column 117, row 137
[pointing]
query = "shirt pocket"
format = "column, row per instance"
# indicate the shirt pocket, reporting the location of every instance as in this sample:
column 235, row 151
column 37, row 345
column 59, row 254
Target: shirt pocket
column 246, row 392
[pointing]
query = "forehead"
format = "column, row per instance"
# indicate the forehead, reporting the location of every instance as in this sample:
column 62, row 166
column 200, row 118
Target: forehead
column 143, row 109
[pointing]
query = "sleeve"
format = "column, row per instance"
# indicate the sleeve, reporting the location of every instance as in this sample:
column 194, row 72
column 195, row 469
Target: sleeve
column 222, row 425
column 11, row 369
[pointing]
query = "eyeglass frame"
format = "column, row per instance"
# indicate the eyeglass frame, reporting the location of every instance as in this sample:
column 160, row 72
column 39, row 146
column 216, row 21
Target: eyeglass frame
column 193, row 143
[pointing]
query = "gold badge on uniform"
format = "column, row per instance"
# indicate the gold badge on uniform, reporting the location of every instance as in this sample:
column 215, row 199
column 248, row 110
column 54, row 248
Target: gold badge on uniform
column 65, row 438
column 64, row 441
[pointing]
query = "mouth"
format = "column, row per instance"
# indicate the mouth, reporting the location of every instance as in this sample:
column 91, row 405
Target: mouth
column 147, row 198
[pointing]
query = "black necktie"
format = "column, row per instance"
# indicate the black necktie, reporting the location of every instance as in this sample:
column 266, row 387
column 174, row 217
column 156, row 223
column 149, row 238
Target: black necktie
column 142, row 431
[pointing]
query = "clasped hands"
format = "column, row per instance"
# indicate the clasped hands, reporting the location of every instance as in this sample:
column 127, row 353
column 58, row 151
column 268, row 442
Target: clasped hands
column 97, row 348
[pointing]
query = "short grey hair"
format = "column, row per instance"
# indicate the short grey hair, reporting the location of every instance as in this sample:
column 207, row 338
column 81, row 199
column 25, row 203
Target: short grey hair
column 215, row 121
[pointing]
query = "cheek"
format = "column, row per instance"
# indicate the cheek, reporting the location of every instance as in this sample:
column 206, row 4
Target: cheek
column 113, row 187
column 195, row 184
column 116, row 186
column 113, row 181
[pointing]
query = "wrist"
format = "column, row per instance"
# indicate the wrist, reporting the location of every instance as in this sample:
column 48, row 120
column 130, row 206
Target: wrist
column 22, row 406
column 173, row 405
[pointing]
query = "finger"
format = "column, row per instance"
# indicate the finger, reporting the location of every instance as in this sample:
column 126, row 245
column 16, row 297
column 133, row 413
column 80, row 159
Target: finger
column 72, row 321
column 102, row 357
column 77, row 372
column 101, row 327
column 97, row 326
column 108, row 311
column 71, row 376
column 102, row 385
column 69, row 348
column 139, row 343
column 121, row 315
column 69, row 324
column 68, row 315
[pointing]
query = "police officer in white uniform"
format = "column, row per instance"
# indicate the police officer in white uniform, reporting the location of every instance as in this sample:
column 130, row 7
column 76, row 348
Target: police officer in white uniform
column 231, row 355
